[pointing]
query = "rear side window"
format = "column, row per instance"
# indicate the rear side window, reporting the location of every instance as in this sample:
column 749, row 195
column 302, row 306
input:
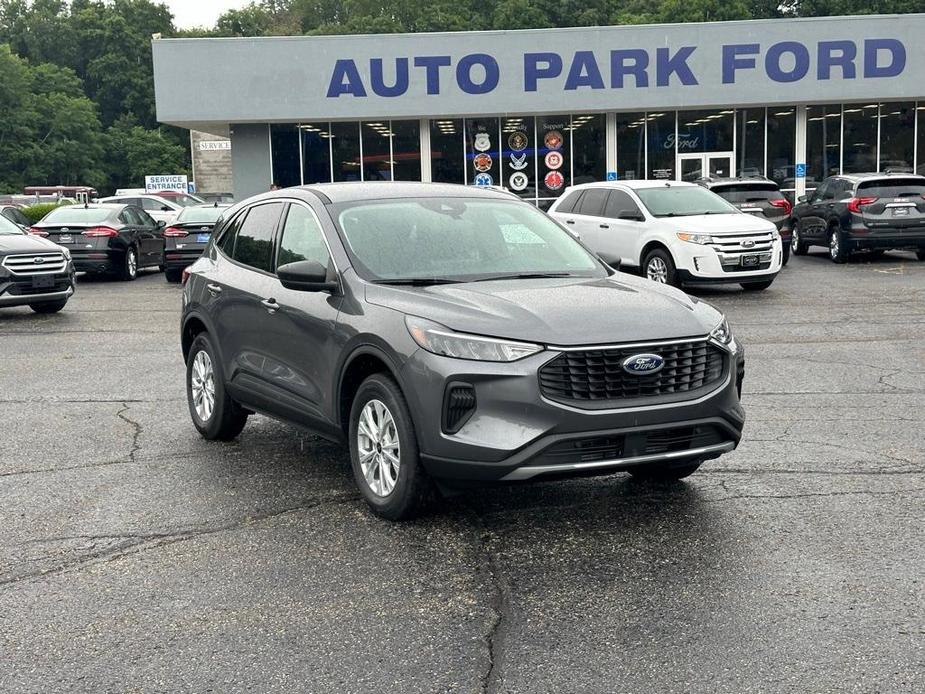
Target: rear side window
column 748, row 192
column 254, row 243
column 302, row 238
column 592, row 202
column 569, row 202
column 619, row 203
column 892, row 188
column 152, row 205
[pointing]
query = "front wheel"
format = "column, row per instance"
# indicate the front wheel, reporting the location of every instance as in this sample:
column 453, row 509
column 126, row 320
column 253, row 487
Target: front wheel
column 172, row 275
column 129, row 269
column 838, row 252
column 659, row 267
column 756, row 286
column 384, row 451
column 785, row 254
column 665, row 473
column 797, row 245
column 48, row 306
column 215, row 415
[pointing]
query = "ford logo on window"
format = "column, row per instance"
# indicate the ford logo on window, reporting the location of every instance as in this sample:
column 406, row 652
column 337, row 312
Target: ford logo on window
column 643, row 364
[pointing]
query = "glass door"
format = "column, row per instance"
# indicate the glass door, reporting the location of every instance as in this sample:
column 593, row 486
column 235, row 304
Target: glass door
column 719, row 165
column 691, row 166
column 713, row 164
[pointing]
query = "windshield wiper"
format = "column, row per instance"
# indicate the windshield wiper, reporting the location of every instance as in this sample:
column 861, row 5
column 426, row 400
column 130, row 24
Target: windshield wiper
column 523, row 276
column 418, row 281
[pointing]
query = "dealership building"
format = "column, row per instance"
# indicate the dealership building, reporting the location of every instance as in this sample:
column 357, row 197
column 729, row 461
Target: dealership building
column 535, row 111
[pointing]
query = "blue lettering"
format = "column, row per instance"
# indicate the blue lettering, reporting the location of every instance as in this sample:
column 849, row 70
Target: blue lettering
column 872, row 67
column 847, row 52
column 800, row 61
column 732, row 61
column 377, row 82
column 432, row 65
column 619, row 69
column 666, row 64
column 552, row 67
column 464, row 73
column 346, row 80
column 584, row 72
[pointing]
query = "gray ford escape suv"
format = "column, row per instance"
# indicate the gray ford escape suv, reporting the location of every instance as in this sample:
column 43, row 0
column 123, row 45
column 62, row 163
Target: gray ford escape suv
column 450, row 334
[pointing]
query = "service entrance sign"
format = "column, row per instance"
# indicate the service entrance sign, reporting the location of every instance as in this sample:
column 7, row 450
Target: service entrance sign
column 157, row 184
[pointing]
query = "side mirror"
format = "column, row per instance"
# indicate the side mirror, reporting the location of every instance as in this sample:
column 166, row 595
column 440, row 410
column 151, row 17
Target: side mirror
column 611, row 260
column 160, row 224
column 305, row 276
column 631, row 215
column 802, row 198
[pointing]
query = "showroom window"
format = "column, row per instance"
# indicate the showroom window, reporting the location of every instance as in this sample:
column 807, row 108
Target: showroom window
column 377, row 151
column 823, row 143
column 897, row 137
column 661, row 134
column 750, row 124
column 316, row 153
column 345, row 151
column 781, row 146
column 517, row 167
column 631, row 145
column 553, row 157
column 284, row 140
column 406, row 150
column 447, row 152
column 859, row 139
column 482, row 151
column 589, row 148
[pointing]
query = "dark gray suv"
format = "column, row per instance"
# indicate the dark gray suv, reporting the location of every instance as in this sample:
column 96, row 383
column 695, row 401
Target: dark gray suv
column 450, row 335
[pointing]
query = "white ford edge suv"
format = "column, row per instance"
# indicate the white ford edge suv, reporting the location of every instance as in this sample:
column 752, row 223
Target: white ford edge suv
column 674, row 232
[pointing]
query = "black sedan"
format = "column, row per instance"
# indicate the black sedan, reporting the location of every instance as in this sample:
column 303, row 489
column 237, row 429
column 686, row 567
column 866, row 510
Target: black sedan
column 33, row 272
column 117, row 239
column 187, row 237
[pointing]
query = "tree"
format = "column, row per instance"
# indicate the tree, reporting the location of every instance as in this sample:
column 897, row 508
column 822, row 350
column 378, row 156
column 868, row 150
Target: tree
column 136, row 152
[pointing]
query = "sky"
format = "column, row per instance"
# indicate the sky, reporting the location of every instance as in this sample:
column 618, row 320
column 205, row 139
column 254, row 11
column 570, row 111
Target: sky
column 194, row 13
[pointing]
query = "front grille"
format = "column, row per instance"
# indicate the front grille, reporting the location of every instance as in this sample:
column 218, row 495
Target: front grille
column 597, row 377
column 743, row 243
column 617, row 446
column 27, row 265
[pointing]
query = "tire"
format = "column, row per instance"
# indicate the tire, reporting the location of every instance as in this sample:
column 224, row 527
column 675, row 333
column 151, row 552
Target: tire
column 391, row 494
column 659, row 267
column 797, row 245
column 665, row 473
column 172, row 275
column 756, row 286
column 129, row 270
column 226, row 419
column 48, row 306
column 920, row 254
column 786, row 254
column 838, row 251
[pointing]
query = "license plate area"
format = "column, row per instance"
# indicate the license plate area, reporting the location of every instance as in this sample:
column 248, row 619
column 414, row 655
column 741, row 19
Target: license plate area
column 203, row 238
column 65, row 238
column 900, row 211
column 43, row 281
column 750, row 260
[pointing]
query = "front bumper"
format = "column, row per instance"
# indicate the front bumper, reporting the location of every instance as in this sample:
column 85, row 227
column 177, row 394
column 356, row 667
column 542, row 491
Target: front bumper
column 516, row 433
column 703, row 264
column 19, row 290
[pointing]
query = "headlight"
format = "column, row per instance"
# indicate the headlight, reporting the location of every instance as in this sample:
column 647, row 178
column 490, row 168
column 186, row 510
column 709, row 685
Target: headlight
column 722, row 334
column 438, row 339
column 775, row 235
column 702, row 239
column 66, row 253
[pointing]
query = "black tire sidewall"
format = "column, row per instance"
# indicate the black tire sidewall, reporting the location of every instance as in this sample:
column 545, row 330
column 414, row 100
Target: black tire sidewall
column 672, row 279
column 800, row 243
column 404, row 498
column 49, row 306
column 216, row 426
column 126, row 275
column 842, row 254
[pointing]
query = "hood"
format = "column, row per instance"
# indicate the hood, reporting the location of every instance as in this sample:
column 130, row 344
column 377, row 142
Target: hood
column 566, row 311
column 26, row 243
column 718, row 224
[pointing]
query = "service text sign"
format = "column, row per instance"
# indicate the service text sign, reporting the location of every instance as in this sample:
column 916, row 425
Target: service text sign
column 156, row 184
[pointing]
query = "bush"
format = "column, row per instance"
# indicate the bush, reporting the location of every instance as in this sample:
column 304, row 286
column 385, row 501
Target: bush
column 36, row 212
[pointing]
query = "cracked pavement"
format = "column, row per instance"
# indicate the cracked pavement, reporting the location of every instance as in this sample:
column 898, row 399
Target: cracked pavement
column 135, row 556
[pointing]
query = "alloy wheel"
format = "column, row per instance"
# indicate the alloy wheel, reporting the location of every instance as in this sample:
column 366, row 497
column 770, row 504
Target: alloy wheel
column 795, row 239
column 834, row 244
column 132, row 263
column 378, row 448
column 657, row 270
column 202, row 386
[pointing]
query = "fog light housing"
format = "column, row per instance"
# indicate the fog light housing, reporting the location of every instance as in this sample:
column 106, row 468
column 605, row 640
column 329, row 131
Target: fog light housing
column 459, row 405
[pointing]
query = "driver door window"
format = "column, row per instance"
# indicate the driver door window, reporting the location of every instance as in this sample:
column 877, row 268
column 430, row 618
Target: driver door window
column 620, row 203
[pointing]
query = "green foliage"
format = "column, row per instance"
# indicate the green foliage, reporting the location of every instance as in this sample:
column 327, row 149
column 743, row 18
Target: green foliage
column 136, row 152
column 36, row 212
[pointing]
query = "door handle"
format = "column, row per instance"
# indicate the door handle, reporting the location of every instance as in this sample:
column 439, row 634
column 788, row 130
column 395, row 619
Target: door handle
column 569, row 221
column 214, row 289
column 605, row 226
column 270, row 305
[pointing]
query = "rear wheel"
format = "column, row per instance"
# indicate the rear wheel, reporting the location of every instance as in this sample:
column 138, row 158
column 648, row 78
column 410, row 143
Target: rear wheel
column 129, row 270
column 384, row 451
column 214, row 413
column 173, row 275
column 838, row 251
column 48, row 306
column 756, row 286
column 659, row 267
column 665, row 473
column 786, row 254
column 797, row 245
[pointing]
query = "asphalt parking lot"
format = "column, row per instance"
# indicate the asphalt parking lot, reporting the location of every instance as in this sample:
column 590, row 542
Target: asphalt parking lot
column 135, row 556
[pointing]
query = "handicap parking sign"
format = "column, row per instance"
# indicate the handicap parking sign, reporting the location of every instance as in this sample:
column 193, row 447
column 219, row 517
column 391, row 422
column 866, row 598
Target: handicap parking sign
column 800, row 170
column 611, row 175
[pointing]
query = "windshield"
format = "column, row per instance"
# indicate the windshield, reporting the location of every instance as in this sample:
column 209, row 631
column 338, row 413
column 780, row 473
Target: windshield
column 893, row 188
column 7, row 228
column 682, row 201
column 77, row 215
column 182, row 199
column 200, row 215
column 457, row 239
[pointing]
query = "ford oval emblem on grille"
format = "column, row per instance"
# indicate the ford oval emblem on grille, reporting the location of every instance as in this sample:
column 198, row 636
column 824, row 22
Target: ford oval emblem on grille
column 748, row 243
column 643, row 364
column 38, row 261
